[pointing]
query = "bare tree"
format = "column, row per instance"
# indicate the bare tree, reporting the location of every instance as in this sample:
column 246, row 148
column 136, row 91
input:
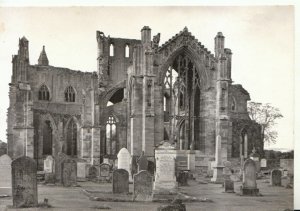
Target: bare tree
column 265, row 115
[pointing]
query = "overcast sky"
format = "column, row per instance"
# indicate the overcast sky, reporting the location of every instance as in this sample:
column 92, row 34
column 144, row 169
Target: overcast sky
column 261, row 39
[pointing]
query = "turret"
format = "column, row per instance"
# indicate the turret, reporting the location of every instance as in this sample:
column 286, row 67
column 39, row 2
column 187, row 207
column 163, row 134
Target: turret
column 23, row 50
column 146, row 35
column 219, row 44
column 43, row 59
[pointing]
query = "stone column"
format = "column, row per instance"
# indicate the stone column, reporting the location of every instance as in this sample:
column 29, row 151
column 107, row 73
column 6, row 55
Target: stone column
column 218, row 168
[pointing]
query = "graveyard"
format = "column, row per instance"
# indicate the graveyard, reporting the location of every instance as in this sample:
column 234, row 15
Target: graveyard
column 131, row 183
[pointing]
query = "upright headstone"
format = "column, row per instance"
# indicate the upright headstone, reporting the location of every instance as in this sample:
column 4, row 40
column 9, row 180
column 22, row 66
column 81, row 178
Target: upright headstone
column 120, row 181
column 69, row 172
column 24, row 182
column 59, row 159
column 49, row 169
column 124, row 159
column 218, row 168
column 275, row 179
column 93, row 173
column 142, row 163
column 255, row 157
column 249, row 179
column 228, row 183
column 142, row 186
column 165, row 179
column 5, row 172
column 182, row 178
column 287, row 164
column 81, row 170
column 263, row 163
column 105, row 174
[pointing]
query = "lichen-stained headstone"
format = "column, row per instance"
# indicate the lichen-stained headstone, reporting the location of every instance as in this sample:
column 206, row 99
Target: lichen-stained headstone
column 49, row 164
column 120, row 181
column 59, row 159
column 93, row 172
column 249, row 186
column 69, row 172
column 142, row 186
column 24, row 182
column 275, row 178
column 5, row 171
column 104, row 170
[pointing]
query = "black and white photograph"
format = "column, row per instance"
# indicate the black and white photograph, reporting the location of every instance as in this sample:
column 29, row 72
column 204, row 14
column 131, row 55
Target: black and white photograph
column 148, row 107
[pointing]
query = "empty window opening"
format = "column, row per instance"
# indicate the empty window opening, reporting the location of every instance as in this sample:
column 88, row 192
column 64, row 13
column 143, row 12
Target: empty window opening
column 70, row 94
column 44, row 93
column 111, row 50
column 126, row 51
column 117, row 97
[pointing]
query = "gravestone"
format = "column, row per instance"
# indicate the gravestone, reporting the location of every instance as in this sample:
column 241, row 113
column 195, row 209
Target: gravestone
column 120, row 181
column 227, row 170
column 24, row 182
column 105, row 174
column 218, row 168
column 275, row 179
column 124, row 159
column 5, row 172
column 49, row 169
column 93, row 173
column 182, row 178
column 59, row 159
column 229, row 186
column 287, row 164
column 69, row 172
column 165, row 179
column 142, row 163
column 81, row 170
column 151, row 167
column 142, row 186
column 263, row 163
column 249, row 179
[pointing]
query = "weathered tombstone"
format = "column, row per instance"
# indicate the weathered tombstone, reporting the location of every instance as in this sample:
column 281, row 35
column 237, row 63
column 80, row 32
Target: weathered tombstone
column 151, row 167
column 229, row 186
column 165, row 179
column 255, row 157
column 218, row 168
column 5, row 172
column 287, row 164
column 182, row 178
column 227, row 170
column 275, row 179
column 24, row 182
column 142, row 163
column 249, row 179
column 59, row 159
column 142, row 186
column 93, row 172
column 124, row 159
column 49, row 169
column 263, row 163
column 69, row 172
column 104, row 172
column 81, row 170
column 120, row 181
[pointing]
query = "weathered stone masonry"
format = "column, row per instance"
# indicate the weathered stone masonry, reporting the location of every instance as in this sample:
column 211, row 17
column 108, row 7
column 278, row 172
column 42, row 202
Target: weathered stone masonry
column 143, row 93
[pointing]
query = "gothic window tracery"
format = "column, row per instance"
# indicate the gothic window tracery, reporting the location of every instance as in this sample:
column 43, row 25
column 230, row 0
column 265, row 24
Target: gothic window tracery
column 44, row 93
column 72, row 139
column 70, row 94
column 182, row 88
column 111, row 137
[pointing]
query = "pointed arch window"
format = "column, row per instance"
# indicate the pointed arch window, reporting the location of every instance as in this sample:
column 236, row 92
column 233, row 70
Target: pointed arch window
column 70, row 94
column 127, row 51
column 233, row 104
column 44, row 93
column 72, row 139
column 111, row 50
column 111, row 140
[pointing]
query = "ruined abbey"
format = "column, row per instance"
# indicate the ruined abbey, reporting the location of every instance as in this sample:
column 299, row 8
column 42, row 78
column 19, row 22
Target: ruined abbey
column 143, row 93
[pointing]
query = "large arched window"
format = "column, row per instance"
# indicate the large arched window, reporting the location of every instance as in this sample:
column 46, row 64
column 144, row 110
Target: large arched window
column 72, row 139
column 111, row 136
column 70, row 94
column 44, row 93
